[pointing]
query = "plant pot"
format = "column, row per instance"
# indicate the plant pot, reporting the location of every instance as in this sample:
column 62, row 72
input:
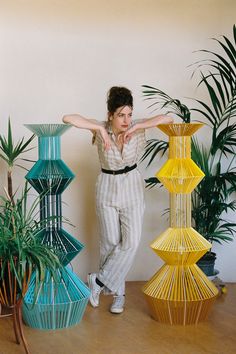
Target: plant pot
column 10, row 291
column 207, row 263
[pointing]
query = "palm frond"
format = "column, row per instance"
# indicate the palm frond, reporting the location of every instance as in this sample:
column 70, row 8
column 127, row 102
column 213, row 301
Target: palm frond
column 200, row 156
column 229, row 50
column 10, row 150
column 165, row 101
column 214, row 99
column 225, row 141
column 152, row 182
column 153, row 148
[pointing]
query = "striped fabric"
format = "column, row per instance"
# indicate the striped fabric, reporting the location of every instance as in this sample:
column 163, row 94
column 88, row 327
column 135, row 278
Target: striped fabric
column 113, row 159
column 120, row 207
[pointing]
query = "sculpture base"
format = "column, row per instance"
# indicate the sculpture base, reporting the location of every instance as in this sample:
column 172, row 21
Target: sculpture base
column 58, row 304
column 179, row 312
column 180, row 294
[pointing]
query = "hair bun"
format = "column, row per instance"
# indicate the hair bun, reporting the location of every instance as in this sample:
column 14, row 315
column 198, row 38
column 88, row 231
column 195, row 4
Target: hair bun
column 118, row 96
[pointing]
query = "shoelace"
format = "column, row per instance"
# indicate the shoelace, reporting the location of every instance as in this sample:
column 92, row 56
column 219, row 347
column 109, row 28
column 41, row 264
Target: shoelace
column 118, row 301
column 97, row 289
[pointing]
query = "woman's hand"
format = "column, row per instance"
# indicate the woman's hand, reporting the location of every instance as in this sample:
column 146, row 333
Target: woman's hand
column 126, row 136
column 106, row 138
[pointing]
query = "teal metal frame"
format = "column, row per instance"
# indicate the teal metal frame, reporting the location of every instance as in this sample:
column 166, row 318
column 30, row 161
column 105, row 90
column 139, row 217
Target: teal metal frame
column 59, row 304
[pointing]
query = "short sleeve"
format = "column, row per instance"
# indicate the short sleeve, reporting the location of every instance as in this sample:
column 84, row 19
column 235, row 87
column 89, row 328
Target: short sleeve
column 97, row 138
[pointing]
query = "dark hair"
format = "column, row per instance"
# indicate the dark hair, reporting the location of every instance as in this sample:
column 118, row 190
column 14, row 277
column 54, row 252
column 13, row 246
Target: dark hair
column 118, row 97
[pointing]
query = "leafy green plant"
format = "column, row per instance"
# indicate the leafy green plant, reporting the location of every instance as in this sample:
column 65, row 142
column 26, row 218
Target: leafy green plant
column 20, row 248
column 10, row 153
column 211, row 200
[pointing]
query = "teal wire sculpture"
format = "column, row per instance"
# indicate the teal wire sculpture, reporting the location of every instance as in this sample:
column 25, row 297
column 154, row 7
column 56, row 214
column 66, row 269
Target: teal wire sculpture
column 59, row 304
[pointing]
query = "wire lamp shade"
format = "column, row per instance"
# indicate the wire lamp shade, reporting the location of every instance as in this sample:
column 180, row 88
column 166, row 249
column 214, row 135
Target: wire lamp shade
column 180, row 293
column 50, row 176
column 59, row 304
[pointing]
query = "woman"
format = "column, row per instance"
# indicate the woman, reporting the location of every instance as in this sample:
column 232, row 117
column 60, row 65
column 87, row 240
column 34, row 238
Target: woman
column 119, row 191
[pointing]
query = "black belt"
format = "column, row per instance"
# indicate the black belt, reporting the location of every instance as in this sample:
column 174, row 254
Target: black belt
column 119, row 172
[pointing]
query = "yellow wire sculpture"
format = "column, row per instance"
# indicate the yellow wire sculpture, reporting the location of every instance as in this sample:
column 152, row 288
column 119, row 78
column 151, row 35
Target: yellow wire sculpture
column 180, row 293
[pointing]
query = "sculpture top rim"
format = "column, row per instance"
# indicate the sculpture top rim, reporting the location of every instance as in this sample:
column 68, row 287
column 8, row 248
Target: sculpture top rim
column 180, row 129
column 47, row 130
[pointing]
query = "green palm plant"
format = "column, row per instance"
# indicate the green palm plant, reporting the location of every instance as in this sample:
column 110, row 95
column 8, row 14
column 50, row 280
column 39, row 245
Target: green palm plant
column 211, row 200
column 10, row 153
column 212, row 197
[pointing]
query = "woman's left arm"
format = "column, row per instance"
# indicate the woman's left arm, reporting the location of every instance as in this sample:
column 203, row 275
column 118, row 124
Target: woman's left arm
column 147, row 123
column 153, row 122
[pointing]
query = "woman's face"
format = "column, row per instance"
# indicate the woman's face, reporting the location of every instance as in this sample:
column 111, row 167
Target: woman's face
column 121, row 119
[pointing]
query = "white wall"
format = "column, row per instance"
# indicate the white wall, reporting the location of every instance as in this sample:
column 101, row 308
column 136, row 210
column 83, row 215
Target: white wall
column 61, row 57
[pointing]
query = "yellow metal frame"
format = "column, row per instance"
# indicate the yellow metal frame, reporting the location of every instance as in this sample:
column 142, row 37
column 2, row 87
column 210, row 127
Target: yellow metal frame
column 180, row 293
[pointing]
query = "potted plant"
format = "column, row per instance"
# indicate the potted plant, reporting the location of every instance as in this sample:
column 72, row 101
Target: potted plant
column 10, row 153
column 21, row 252
column 211, row 199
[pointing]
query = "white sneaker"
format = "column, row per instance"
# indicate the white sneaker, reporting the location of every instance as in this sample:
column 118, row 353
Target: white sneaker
column 95, row 290
column 118, row 304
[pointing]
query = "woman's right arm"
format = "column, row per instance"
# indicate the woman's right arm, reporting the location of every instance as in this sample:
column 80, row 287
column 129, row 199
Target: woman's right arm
column 80, row 122
column 90, row 124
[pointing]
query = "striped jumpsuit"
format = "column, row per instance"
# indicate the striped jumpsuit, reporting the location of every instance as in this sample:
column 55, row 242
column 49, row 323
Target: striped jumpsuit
column 120, row 208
